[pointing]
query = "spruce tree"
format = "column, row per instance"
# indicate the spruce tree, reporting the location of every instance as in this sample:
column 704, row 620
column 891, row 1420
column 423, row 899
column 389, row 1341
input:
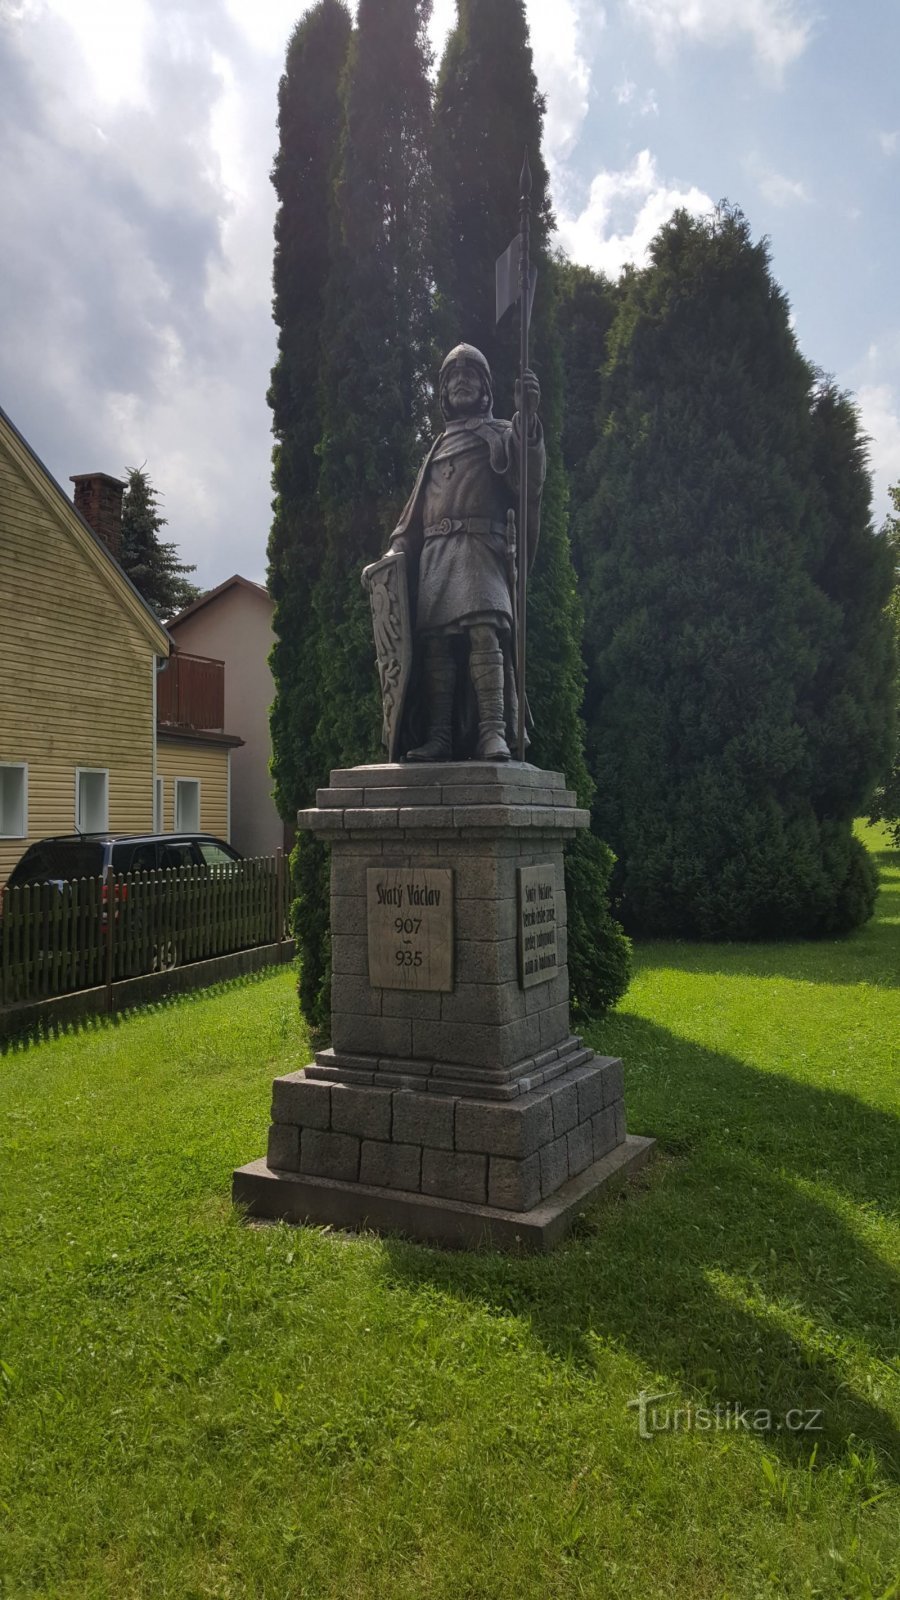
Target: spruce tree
column 733, row 589
column 488, row 109
column 377, row 344
column 886, row 800
column 151, row 563
column 310, row 119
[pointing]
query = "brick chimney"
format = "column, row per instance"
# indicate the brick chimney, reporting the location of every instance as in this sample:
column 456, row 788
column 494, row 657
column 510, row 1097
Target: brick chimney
column 99, row 499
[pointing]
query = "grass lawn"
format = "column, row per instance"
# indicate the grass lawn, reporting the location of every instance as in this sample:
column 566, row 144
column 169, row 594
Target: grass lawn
column 190, row 1407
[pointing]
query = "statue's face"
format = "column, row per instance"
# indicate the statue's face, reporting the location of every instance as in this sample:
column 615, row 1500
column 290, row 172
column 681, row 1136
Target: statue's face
column 464, row 389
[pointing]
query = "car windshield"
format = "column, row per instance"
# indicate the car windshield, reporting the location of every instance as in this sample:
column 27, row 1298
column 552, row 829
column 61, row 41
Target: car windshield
column 60, row 858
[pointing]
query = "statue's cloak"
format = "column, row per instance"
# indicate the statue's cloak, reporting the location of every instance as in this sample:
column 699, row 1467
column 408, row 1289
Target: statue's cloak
column 502, row 441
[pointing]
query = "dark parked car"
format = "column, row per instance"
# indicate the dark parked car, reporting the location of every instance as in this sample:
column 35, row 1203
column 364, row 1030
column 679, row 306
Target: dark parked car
column 94, row 855
column 104, row 855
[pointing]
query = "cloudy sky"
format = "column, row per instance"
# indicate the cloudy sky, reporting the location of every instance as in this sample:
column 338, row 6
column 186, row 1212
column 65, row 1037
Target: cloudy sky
column 137, row 140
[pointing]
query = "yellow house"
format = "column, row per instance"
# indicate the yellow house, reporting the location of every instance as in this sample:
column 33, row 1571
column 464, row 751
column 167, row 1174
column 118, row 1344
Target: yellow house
column 81, row 654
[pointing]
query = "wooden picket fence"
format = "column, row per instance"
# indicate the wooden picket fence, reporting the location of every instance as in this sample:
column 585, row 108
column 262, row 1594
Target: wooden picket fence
column 56, row 938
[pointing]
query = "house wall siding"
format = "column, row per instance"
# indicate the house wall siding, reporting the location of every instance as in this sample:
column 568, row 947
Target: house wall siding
column 76, row 669
column 180, row 758
column 236, row 627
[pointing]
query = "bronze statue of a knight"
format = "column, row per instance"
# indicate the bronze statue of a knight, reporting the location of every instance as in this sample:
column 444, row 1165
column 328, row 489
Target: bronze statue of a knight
column 450, row 688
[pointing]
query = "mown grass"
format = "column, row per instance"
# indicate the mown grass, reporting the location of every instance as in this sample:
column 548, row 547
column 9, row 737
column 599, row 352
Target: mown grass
column 192, row 1407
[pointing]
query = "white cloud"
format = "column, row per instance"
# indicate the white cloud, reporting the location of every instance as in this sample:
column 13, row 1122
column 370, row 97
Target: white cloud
column 624, row 211
column 625, row 92
column 778, row 32
column 890, row 142
column 650, row 105
column 879, row 405
column 782, row 191
column 562, row 71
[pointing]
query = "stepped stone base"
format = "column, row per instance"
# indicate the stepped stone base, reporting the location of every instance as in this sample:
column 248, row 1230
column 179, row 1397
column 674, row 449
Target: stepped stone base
column 293, row 1197
column 455, row 1105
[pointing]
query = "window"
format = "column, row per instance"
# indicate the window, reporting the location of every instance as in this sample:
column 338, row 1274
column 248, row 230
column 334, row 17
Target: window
column 159, row 805
column 216, row 855
column 13, row 800
column 91, row 800
column 187, row 805
column 176, row 856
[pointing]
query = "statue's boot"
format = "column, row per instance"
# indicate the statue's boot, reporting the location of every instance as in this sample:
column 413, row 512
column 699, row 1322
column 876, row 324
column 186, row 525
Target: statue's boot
column 440, row 682
column 486, row 668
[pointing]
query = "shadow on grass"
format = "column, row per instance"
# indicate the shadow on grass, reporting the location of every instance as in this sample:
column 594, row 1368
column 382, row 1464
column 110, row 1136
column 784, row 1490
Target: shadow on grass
column 40, row 1031
column 719, row 1269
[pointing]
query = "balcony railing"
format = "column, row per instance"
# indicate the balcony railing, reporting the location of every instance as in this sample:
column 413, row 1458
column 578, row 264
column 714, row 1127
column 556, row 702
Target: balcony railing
column 190, row 693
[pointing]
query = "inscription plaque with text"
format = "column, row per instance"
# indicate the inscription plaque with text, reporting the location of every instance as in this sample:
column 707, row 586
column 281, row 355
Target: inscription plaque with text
column 410, row 927
column 538, row 960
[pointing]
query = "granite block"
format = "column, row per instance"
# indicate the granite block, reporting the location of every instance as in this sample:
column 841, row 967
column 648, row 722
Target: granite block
column 284, row 1147
column 455, row 1177
column 514, row 1185
column 554, row 1024
column 564, row 1101
column 621, row 1128
column 472, row 1044
column 298, row 1099
column 515, row 1129
column 365, row 818
column 424, row 1006
column 414, row 818
column 329, row 1155
column 365, row 1112
column 354, row 995
column 480, row 920
column 487, row 961
column 604, row 1132
column 348, row 913
column 408, row 1065
column 350, row 955
column 378, row 1036
column 491, row 1003
column 613, row 1081
column 331, row 799
column 580, row 1148
column 424, row 1119
column 391, row 1166
column 410, row 794
column 554, row 1165
column 346, row 1058
column 590, row 1093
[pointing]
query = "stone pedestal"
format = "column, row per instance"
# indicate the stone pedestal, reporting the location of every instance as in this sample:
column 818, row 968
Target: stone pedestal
column 454, row 1104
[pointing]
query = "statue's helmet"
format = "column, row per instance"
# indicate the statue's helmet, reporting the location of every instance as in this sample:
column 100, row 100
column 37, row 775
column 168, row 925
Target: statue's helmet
column 465, row 355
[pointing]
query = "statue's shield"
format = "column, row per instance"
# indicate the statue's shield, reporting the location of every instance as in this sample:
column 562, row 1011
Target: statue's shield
column 388, row 588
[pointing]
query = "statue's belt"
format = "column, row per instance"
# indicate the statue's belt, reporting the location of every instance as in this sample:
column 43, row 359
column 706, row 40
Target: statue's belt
column 465, row 525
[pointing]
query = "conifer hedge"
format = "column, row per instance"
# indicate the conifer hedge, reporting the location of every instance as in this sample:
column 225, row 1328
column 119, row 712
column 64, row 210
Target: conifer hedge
column 739, row 667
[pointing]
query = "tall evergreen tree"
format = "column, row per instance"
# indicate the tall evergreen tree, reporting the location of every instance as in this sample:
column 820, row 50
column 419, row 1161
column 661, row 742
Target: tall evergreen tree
column 733, row 589
column 151, row 563
column 488, row 109
column 376, row 344
column 886, row 800
column 310, row 119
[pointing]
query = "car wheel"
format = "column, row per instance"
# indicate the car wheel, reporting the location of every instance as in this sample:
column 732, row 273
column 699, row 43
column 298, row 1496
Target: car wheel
column 165, row 956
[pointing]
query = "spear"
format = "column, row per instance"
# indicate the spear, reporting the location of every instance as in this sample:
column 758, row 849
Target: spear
column 524, row 309
column 515, row 280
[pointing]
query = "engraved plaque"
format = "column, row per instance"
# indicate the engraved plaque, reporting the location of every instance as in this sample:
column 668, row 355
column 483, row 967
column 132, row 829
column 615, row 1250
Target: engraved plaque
column 538, row 961
column 410, row 925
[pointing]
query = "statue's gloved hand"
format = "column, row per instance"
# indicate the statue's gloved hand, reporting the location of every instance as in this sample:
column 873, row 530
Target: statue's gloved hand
column 532, row 394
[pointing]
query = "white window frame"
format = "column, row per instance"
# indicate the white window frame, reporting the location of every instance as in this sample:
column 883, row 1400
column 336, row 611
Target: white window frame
column 93, row 772
column 178, row 825
column 159, row 804
column 18, row 766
